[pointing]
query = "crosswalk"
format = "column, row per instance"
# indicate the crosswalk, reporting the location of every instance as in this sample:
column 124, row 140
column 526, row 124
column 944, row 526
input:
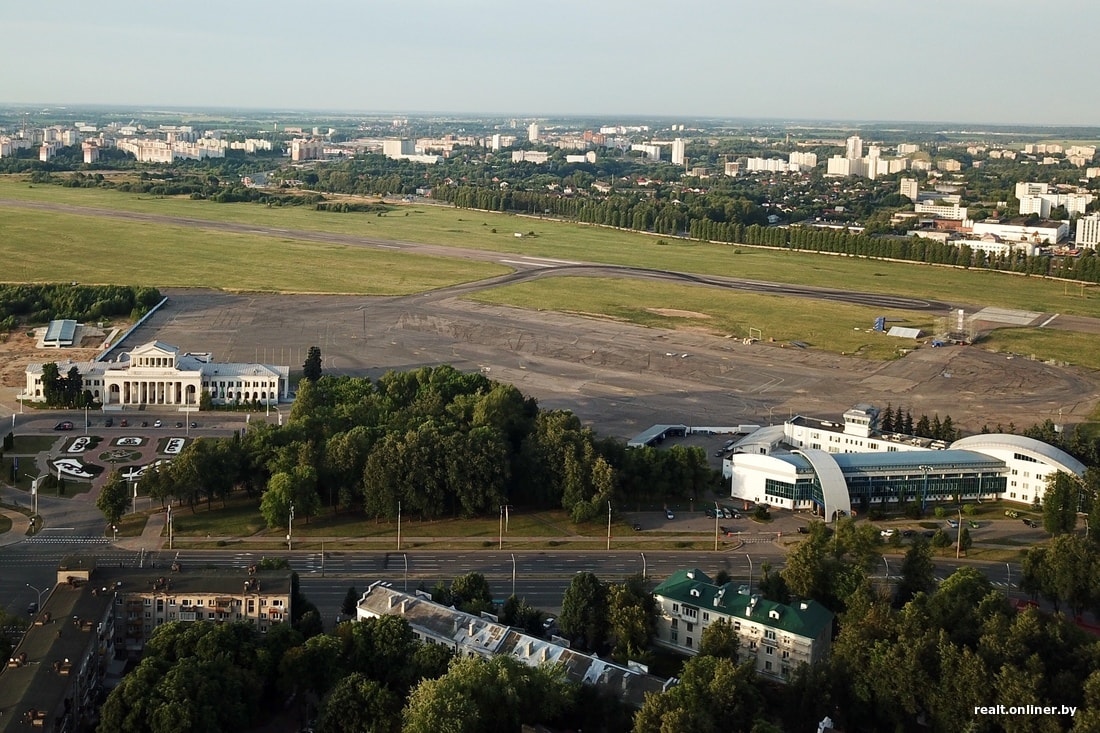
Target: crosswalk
column 66, row 540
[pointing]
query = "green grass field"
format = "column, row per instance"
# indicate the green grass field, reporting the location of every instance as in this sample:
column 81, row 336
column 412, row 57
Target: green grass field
column 42, row 246
column 471, row 229
column 722, row 313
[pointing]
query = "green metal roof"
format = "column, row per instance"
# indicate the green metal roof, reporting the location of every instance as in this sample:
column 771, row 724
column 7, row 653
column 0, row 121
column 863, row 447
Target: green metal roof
column 694, row 588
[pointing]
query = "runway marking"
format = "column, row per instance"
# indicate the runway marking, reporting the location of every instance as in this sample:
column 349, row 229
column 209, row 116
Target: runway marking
column 387, row 246
column 1047, row 321
column 547, row 259
column 527, row 264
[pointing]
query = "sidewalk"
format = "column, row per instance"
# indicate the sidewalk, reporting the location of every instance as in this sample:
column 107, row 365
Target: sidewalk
column 20, row 523
column 151, row 538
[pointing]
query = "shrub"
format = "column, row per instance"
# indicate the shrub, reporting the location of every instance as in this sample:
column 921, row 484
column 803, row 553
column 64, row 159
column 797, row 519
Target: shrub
column 940, row 512
column 761, row 513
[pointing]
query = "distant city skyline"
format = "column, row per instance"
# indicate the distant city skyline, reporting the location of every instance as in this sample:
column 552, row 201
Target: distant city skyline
column 842, row 60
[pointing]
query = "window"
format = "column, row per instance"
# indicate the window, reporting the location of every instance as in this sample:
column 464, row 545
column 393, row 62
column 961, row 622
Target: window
column 687, row 641
column 673, row 636
column 767, row 666
column 675, row 607
column 769, row 634
column 769, row 650
column 786, row 654
column 691, row 627
column 675, row 623
column 691, row 612
column 706, row 616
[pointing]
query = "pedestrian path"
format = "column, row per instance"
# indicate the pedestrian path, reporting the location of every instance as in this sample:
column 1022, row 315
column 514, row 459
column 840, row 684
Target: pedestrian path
column 20, row 523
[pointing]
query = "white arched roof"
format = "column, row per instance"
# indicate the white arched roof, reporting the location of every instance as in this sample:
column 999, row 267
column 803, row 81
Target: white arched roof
column 1030, row 447
column 834, row 489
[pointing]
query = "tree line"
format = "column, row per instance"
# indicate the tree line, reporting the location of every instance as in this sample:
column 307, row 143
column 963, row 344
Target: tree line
column 38, row 303
column 435, row 442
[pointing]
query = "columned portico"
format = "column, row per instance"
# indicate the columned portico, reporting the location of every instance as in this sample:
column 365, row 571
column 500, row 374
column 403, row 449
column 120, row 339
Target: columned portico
column 157, row 374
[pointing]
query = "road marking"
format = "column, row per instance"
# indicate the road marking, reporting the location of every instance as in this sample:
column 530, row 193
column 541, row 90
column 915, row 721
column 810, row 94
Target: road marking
column 524, row 263
column 387, row 246
column 547, row 259
column 1047, row 321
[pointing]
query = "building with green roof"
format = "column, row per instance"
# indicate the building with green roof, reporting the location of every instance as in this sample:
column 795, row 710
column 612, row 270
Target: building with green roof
column 778, row 636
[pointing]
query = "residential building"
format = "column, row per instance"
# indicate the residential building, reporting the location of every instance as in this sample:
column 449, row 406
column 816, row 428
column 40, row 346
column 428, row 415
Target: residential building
column 652, row 152
column 533, row 132
column 482, row 636
column 530, row 156
column 804, row 161
column 156, row 373
column 1088, row 231
column 306, row 149
column 398, row 148
column 776, row 637
column 948, row 211
column 853, row 149
column 908, row 149
column 678, row 151
column 770, row 165
column 48, row 149
column 185, row 594
column 910, row 189
column 91, row 152
column 950, row 165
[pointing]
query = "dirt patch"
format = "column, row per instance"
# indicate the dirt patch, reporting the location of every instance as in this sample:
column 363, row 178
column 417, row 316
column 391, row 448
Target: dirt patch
column 18, row 350
column 676, row 313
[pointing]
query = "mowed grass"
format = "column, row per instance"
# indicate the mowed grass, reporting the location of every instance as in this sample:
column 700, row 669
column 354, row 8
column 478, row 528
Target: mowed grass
column 834, row 327
column 557, row 240
column 44, row 246
column 1046, row 344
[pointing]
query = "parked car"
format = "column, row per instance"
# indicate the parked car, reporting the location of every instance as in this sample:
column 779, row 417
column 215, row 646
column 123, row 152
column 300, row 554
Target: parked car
column 124, row 423
column 194, row 424
column 63, row 425
column 973, row 524
column 144, row 423
column 669, row 514
column 637, row 527
column 1031, row 523
column 953, row 523
column 712, row 513
column 179, row 425
column 719, row 453
column 109, row 422
column 1012, row 514
column 907, row 533
column 803, row 530
column 157, row 424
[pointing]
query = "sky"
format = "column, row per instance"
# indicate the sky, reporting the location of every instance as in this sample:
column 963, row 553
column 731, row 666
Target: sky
column 970, row 61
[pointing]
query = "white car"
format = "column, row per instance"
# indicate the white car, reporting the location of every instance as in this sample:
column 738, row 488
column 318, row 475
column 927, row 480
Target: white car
column 157, row 424
column 888, row 532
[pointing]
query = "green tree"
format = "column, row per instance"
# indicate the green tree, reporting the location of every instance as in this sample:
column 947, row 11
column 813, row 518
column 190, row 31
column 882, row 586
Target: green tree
column 470, row 593
column 358, row 704
column 351, row 603
column 1060, row 502
column 632, row 620
column 720, row 639
column 714, row 694
column 584, row 609
column 113, row 498
column 311, row 369
column 917, row 571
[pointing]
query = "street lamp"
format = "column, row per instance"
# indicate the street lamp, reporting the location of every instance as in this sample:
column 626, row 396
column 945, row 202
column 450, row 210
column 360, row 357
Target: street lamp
column 609, row 525
column 115, row 528
column 750, row 571
column 887, row 567
column 85, row 419
column 716, row 515
column 399, row 525
column 504, row 511
column 169, row 526
column 513, row 574
column 39, row 592
column 1008, row 570
column 924, row 491
column 290, row 529
column 643, row 565
column 135, row 496
column 959, row 540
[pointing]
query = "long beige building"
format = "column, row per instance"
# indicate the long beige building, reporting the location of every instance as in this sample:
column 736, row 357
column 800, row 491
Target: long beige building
column 157, row 374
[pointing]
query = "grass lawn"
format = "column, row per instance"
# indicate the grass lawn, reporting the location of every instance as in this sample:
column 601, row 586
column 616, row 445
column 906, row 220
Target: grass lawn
column 473, row 229
column 5, row 524
column 833, row 327
column 29, row 445
column 132, row 525
column 1046, row 344
column 91, row 249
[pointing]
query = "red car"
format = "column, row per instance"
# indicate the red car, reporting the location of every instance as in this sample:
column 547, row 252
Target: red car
column 66, row 425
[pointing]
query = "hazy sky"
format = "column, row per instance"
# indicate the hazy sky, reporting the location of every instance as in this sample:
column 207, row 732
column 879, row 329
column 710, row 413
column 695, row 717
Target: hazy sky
column 1006, row 61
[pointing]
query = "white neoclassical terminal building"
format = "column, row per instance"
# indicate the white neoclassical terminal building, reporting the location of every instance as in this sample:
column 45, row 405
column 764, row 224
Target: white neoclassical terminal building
column 157, row 374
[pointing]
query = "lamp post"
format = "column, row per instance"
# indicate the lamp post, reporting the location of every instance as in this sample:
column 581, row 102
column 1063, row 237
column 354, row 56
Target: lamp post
column 750, row 572
column 406, row 556
column 114, row 527
column 290, row 529
column 504, row 510
column 169, row 526
column 609, row 525
column 716, row 515
column 399, row 525
column 85, row 419
column 39, row 592
column 513, row 574
column 887, row 567
column 959, row 540
column 924, row 490
column 643, row 565
column 135, row 497
column 1008, row 570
